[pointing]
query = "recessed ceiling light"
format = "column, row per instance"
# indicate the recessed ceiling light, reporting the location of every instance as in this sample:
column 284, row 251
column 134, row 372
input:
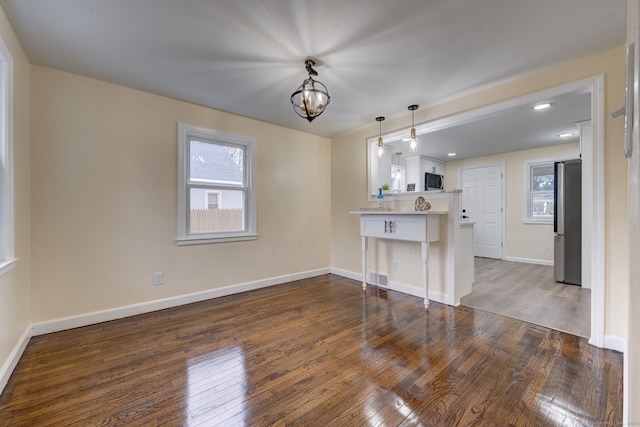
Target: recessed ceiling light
column 565, row 135
column 541, row 106
column 451, row 154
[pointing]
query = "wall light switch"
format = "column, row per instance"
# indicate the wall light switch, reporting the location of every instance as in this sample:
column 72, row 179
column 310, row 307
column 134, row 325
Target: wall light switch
column 394, row 265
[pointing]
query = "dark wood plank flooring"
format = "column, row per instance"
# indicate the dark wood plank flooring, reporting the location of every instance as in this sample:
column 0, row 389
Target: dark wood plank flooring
column 528, row 292
column 315, row 352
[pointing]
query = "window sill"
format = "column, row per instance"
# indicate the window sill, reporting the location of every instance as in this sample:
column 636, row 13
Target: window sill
column 7, row 266
column 538, row 221
column 187, row 241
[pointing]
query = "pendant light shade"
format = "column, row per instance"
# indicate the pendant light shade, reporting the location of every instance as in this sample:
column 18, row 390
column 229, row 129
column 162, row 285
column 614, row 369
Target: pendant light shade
column 380, row 142
column 312, row 97
column 413, row 143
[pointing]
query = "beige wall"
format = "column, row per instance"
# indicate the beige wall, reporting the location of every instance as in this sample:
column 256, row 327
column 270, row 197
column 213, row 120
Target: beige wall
column 532, row 242
column 103, row 191
column 15, row 285
column 349, row 188
column 105, row 199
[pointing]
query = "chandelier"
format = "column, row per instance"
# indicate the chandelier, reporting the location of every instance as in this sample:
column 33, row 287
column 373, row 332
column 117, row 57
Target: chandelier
column 312, row 97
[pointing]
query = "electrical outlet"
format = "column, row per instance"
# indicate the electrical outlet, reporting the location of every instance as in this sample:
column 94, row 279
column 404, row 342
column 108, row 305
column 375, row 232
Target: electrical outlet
column 158, row 278
column 394, row 265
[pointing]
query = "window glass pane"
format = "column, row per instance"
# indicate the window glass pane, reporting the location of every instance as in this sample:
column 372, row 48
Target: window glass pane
column 216, row 163
column 228, row 216
column 541, row 180
column 542, row 204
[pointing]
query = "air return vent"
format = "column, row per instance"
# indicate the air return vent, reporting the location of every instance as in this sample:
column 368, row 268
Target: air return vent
column 378, row 279
column 382, row 280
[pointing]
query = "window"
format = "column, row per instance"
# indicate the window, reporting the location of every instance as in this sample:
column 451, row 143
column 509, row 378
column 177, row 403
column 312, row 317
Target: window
column 539, row 188
column 212, row 200
column 7, row 259
column 216, row 188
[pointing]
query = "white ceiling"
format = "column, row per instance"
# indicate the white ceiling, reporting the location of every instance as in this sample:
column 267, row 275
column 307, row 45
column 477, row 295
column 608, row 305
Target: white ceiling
column 513, row 129
column 247, row 57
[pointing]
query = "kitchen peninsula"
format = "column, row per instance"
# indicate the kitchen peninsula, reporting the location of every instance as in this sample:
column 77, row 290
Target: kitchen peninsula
column 453, row 274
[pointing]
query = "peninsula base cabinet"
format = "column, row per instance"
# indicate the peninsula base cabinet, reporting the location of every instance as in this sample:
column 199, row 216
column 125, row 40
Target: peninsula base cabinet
column 422, row 227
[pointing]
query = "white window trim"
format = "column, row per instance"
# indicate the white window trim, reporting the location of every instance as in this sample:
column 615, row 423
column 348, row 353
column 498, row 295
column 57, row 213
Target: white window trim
column 185, row 132
column 526, row 211
column 526, row 170
column 7, row 257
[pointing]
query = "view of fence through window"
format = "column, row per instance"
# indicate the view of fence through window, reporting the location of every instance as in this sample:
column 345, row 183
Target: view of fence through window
column 216, row 187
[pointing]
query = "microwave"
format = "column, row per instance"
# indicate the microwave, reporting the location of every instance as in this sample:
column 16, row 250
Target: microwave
column 433, row 181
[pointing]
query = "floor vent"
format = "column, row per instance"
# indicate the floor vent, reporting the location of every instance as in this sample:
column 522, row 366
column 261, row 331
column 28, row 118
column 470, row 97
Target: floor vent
column 382, row 280
column 378, row 279
column 373, row 278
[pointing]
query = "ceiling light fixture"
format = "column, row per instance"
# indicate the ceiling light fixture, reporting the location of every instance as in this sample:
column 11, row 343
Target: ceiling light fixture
column 312, row 97
column 565, row 135
column 452, row 154
column 380, row 143
column 542, row 106
column 413, row 145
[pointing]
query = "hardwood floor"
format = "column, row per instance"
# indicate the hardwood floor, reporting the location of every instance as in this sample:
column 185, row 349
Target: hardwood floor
column 528, row 292
column 315, row 352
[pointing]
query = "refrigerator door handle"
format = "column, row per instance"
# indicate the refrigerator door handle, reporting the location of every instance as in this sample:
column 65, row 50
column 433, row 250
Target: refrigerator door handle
column 559, row 208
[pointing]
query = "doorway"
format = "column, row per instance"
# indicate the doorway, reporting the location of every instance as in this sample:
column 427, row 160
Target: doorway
column 482, row 202
column 593, row 170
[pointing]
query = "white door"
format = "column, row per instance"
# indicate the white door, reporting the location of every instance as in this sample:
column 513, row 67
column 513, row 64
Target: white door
column 481, row 202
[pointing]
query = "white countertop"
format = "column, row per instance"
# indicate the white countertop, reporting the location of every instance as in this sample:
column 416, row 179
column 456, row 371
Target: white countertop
column 390, row 212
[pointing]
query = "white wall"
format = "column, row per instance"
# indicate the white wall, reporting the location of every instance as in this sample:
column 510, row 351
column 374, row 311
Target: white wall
column 524, row 242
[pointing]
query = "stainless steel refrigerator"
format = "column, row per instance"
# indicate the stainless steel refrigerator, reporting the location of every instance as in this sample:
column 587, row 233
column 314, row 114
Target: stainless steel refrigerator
column 567, row 222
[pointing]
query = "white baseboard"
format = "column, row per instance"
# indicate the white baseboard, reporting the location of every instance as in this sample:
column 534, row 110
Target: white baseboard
column 85, row 319
column 612, row 342
column 346, row 273
column 10, row 364
column 529, row 260
column 394, row 286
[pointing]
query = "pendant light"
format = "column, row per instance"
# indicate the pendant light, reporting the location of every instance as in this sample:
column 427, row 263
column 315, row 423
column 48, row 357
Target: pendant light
column 312, row 97
column 380, row 143
column 398, row 174
column 413, row 143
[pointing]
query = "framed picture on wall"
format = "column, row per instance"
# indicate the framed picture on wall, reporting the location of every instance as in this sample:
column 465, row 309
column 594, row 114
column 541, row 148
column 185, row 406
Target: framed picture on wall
column 411, row 187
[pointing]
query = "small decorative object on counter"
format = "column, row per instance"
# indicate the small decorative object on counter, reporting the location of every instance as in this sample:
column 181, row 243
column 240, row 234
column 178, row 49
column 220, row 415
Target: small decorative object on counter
column 422, row 204
column 380, row 198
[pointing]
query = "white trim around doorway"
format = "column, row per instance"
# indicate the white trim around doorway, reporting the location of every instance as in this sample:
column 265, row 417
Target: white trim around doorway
column 593, row 171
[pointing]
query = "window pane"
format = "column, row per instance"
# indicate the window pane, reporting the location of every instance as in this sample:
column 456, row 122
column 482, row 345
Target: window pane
column 542, row 204
column 216, row 163
column 542, row 178
column 228, row 216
